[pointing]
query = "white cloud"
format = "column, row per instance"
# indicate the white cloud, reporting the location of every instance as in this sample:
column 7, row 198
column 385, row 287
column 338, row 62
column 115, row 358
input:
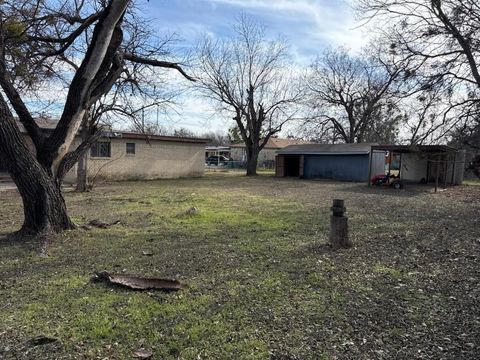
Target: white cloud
column 320, row 22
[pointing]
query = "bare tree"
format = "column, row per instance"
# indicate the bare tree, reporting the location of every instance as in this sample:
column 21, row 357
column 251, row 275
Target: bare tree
column 441, row 40
column 37, row 38
column 216, row 138
column 184, row 132
column 249, row 79
column 148, row 128
column 353, row 98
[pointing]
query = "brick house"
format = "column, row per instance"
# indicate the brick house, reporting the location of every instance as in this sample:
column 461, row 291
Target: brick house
column 129, row 156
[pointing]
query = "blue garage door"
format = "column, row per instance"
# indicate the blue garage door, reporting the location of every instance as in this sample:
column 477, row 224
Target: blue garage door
column 336, row 167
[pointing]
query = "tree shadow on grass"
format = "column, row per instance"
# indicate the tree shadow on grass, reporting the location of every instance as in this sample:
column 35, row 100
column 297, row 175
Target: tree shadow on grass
column 10, row 241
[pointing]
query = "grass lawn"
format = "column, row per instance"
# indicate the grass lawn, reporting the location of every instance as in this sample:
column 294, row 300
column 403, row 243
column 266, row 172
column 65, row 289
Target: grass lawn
column 261, row 281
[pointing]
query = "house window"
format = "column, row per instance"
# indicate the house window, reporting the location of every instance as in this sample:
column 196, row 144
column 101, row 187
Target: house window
column 130, row 148
column 101, row 149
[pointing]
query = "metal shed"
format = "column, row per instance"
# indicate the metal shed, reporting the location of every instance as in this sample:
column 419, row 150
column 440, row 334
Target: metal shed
column 345, row 162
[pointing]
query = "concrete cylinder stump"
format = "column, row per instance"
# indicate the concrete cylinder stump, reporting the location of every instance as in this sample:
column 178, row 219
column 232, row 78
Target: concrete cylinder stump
column 339, row 226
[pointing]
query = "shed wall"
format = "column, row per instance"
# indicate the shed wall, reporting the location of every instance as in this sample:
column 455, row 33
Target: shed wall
column 414, row 167
column 378, row 163
column 337, row 167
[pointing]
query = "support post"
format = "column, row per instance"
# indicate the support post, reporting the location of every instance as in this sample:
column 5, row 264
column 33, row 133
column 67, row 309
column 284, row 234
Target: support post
column 445, row 171
column 437, row 173
column 339, row 226
column 454, row 165
column 370, row 159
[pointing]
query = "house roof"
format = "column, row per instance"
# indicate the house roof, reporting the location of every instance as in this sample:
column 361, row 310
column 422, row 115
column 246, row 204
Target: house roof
column 276, row 143
column 327, row 149
column 137, row 136
column 50, row 124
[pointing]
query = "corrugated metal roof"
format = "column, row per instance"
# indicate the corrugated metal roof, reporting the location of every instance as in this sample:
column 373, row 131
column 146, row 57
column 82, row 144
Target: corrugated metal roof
column 330, row 149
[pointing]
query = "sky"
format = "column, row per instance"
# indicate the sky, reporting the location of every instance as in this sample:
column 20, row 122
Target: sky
column 309, row 26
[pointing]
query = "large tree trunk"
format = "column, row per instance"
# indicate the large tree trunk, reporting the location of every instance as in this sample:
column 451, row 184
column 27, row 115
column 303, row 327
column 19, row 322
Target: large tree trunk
column 252, row 160
column 43, row 203
column 44, row 206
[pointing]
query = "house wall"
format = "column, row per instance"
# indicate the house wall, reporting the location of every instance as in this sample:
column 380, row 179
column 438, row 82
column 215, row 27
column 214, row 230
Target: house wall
column 157, row 159
column 337, row 167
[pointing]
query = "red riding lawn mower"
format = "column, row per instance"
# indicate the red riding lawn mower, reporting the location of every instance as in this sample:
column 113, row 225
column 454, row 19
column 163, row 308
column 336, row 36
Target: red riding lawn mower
column 387, row 180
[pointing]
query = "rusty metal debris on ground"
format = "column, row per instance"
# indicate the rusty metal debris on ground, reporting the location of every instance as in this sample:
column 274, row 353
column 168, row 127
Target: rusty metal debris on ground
column 137, row 282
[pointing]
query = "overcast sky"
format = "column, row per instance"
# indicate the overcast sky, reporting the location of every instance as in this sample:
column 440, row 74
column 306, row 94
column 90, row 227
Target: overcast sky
column 308, row 25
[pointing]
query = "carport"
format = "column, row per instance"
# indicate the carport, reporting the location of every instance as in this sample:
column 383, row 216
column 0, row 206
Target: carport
column 438, row 164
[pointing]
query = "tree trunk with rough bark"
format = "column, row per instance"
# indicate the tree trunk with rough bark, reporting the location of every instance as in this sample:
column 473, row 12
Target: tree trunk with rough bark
column 43, row 203
column 44, row 206
column 252, row 160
